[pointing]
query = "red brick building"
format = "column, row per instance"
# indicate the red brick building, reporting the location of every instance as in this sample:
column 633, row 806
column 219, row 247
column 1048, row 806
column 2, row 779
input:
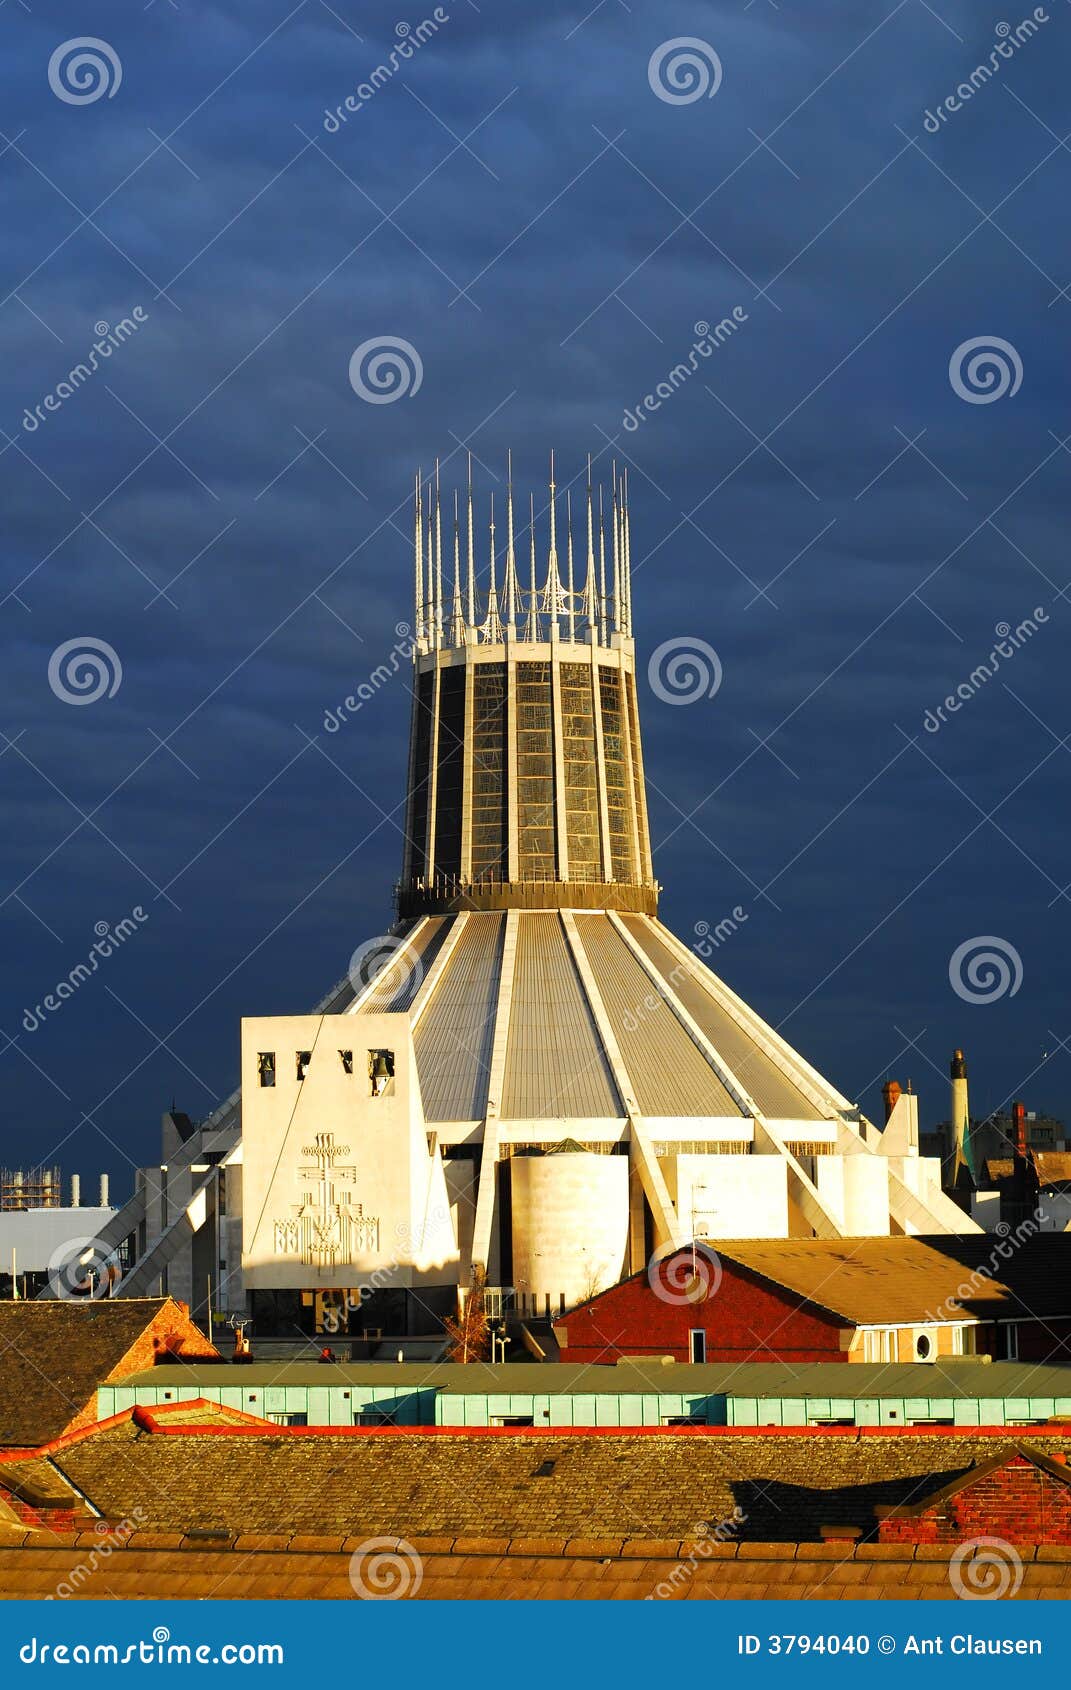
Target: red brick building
column 813, row 1299
column 1022, row 1496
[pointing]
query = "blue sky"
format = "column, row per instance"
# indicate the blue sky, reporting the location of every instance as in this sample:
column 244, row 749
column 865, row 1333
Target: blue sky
column 819, row 503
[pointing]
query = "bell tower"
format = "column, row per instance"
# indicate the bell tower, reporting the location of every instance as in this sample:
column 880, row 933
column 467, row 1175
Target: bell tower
column 526, row 786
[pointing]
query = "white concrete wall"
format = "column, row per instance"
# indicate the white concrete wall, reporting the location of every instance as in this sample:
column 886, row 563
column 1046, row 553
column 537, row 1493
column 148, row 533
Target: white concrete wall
column 731, row 1196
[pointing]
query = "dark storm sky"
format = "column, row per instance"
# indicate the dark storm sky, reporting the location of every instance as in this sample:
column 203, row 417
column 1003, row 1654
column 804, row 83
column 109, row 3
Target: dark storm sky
column 219, row 505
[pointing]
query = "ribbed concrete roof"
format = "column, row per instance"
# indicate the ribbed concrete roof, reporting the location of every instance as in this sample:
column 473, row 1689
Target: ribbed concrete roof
column 598, row 1006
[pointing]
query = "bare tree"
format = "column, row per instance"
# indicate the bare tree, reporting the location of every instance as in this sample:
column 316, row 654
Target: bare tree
column 469, row 1334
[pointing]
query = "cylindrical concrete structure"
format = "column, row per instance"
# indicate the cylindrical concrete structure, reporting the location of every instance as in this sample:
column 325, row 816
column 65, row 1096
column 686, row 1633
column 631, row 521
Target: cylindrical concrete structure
column 570, row 1227
column 104, row 1191
column 76, row 1191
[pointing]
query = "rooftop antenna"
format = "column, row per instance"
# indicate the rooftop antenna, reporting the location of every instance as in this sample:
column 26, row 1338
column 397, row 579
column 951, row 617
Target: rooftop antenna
column 569, row 547
column 438, row 560
column 616, row 540
column 493, row 625
column 589, row 582
column 604, row 634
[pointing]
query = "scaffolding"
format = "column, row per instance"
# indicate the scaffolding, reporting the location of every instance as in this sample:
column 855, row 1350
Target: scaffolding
column 30, row 1188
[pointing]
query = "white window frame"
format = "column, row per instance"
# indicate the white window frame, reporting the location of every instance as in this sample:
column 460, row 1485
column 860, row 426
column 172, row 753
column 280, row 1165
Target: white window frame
column 700, row 1333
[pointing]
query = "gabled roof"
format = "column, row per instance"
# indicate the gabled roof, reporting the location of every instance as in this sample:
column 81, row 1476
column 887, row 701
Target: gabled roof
column 906, row 1281
column 53, row 1355
column 1038, row 1458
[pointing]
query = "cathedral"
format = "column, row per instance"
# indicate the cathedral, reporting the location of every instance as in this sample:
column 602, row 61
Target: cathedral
column 530, row 1075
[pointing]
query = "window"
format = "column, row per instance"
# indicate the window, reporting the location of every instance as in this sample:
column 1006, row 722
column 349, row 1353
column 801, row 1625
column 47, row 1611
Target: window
column 380, row 1070
column 1009, row 1343
column 302, row 1058
column 346, row 1058
column 512, row 1420
column 879, row 1345
column 697, row 1345
column 266, row 1067
column 963, row 1340
column 288, row 1419
column 924, row 1347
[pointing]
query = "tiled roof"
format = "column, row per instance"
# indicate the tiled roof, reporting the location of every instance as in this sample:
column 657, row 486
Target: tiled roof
column 788, row 1486
column 904, row 1281
column 153, row 1566
column 53, row 1355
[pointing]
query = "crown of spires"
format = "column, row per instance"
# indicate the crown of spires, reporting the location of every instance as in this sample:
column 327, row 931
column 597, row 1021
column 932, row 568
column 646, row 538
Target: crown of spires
column 482, row 611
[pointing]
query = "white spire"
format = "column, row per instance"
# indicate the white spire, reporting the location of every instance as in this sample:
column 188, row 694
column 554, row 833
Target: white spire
column 438, row 561
column 511, row 560
column 569, row 534
column 553, row 595
column 492, row 627
column 604, row 622
column 626, row 547
column 616, row 539
column 531, row 628
column 418, row 566
column 471, row 595
column 588, row 608
column 429, row 598
column 457, row 621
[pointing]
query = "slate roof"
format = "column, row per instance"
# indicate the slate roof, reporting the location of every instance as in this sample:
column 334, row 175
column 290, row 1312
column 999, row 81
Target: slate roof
column 907, row 1281
column 789, row 1486
column 53, row 1355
